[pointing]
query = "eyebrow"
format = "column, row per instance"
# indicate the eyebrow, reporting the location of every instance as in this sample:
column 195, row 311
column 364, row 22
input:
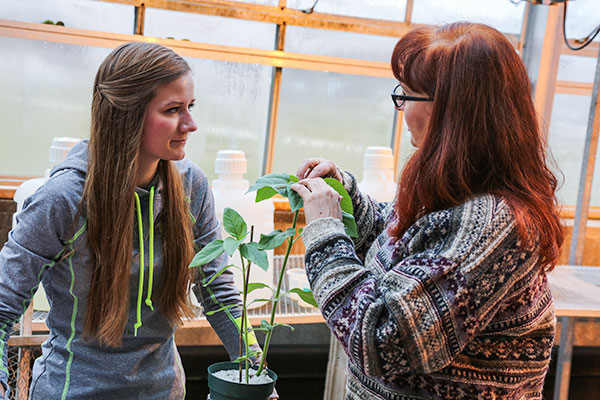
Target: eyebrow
column 179, row 102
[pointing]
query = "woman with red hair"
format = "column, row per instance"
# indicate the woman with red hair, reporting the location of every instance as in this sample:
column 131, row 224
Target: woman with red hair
column 443, row 294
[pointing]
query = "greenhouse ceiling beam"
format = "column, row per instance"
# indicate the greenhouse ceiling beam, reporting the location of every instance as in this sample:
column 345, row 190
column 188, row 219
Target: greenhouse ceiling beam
column 83, row 37
column 288, row 16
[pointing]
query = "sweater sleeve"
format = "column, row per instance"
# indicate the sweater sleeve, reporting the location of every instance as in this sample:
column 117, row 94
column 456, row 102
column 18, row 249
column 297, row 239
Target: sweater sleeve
column 370, row 215
column 439, row 288
column 33, row 247
column 222, row 290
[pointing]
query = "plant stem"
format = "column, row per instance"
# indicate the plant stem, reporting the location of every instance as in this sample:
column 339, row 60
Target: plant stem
column 243, row 325
column 276, row 300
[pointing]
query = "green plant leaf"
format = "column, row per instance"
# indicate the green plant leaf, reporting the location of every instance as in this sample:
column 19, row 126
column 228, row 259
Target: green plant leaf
column 349, row 224
column 275, row 238
column 260, row 301
column 230, row 245
column 277, row 182
column 225, row 268
column 222, row 309
column 208, row 253
column 346, row 203
column 296, row 201
column 234, row 223
column 306, row 295
column 251, row 252
column 264, row 193
column 258, row 285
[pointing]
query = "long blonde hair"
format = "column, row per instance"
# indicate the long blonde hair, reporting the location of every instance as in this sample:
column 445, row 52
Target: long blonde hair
column 124, row 85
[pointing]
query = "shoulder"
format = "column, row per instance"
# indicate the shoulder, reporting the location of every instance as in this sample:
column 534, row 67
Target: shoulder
column 193, row 177
column 455, row 232
column 195, row 184
column 51, row 209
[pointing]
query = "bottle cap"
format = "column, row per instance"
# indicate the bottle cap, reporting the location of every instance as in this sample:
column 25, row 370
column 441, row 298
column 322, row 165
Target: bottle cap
column 60, row 146
column 377, row 157
column 230, row 162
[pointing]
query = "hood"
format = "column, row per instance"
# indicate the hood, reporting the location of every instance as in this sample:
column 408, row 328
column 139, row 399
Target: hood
column 76, row 159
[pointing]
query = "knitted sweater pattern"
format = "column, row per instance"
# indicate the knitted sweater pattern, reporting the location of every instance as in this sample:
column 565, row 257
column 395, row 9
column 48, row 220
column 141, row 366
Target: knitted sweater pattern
column 458, row 308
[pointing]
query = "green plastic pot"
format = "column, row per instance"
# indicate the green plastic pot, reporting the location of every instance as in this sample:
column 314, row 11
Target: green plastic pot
column 225, row 390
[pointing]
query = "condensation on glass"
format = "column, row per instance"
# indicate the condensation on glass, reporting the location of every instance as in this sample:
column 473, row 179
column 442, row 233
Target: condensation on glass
column 331, row 115
column 502, row 15
column 339, row 44
column 378, row 9
column 209, row 29
column 231, row 112
column 92, row 15
column 566, row 139
column 46, row 92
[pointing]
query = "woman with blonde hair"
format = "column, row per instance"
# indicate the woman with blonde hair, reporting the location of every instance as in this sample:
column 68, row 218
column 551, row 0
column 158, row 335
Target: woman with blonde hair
column 443, row 295
column 110, row 236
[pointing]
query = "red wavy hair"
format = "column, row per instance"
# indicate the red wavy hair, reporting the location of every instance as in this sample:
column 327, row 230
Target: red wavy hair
column 483, row 136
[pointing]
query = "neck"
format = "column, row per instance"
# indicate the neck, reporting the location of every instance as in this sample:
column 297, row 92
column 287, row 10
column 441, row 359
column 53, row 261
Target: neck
column 145, row 172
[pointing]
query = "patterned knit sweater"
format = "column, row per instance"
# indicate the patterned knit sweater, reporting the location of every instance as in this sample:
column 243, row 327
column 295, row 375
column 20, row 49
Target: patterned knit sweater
column 455, row 309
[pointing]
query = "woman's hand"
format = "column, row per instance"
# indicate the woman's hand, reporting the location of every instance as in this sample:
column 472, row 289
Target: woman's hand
column 318, row 168
column 320, row 199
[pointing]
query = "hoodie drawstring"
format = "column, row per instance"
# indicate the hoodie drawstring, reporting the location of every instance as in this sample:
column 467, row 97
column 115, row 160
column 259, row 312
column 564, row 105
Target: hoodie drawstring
column 151, row 250
column 148, row 301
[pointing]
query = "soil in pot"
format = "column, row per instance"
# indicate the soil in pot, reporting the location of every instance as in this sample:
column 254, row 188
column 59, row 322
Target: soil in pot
column 222, row 389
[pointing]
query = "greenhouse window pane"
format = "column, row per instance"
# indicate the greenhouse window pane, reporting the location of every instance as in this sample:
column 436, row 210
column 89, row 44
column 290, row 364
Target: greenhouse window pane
column 331, row 115
column 231, row 110
column 582, row 17
column 93, row 15
column 379, row 9
column 568, row 129
column 503, row 15
column 339, row 44
column 46, row 92
column 576, row 68
column 209, row 29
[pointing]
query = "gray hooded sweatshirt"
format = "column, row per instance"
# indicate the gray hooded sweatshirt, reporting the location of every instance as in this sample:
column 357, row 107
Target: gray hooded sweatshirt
column 42, row 248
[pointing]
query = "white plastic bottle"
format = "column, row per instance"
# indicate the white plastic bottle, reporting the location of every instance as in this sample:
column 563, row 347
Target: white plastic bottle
column 229, row 190
column 378, row 174
column 59, row 148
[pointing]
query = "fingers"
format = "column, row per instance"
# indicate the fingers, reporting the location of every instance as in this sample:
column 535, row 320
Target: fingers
column 301, row 189
column 317, row 168
column 306, row 166
column 315, row 186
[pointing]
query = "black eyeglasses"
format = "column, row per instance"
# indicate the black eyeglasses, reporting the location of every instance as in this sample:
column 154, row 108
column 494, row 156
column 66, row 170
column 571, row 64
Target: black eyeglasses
column 400, row 99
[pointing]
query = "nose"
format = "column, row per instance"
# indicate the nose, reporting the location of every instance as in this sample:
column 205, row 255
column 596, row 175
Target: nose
column 188, row 124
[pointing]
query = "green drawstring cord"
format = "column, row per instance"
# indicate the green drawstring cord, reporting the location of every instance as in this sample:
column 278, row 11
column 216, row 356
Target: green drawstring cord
column 138, row 322
column 151, row 259
column 151, row 250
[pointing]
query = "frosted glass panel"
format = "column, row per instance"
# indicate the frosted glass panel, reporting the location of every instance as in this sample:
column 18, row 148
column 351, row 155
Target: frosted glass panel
column 46, row 92
column 209, row 29
column 502, row 15
column 83, row 14
column 576, row 68
column 231, row 112
column 567, row 139
column 582, row 17
column 380, row 9
column 339, row 44
column 331, row 115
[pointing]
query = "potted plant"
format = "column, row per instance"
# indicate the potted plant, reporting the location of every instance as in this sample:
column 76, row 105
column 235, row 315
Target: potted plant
column 240, row 379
